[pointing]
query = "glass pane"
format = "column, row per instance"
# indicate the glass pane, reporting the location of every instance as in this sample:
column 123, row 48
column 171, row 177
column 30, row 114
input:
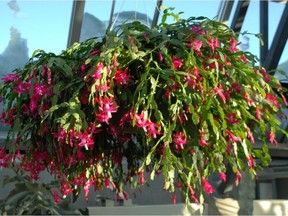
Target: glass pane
column 95, row 19
column 30, row 25
column 251, row 25
column 194, row 8
column 97, row 15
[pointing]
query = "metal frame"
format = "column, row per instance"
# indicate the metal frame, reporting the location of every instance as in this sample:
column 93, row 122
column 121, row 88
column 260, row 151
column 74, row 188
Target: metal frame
column 76, row 22
column 274, row 53
column 264, row 29
column 156, row 13
column 224, row 10
column 239, row 15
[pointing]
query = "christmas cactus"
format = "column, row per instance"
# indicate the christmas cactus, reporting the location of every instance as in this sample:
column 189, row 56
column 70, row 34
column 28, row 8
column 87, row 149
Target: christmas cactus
column 178, row 100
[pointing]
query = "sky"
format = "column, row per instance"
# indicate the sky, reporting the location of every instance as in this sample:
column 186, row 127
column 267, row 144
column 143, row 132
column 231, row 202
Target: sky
column 43, row 24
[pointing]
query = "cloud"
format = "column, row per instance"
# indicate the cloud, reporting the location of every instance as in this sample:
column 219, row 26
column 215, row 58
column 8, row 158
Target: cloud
column 13, row 5
column 15, row 54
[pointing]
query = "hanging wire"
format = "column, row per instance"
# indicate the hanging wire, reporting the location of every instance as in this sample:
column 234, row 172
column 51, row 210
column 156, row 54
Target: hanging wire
column 111, row 21
column 147, row 17
column 156, row 13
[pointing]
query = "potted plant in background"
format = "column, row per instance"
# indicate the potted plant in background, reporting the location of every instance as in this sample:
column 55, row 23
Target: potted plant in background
column 180, row 100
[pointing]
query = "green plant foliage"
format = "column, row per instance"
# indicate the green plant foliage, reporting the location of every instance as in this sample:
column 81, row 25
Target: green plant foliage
column 179, row 100
column 31, row 198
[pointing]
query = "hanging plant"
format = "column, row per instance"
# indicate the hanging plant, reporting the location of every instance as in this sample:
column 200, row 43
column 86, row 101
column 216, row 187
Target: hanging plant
column 180, row 100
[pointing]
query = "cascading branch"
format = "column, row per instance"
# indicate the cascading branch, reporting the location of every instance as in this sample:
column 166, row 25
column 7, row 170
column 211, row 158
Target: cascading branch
column 180, row 100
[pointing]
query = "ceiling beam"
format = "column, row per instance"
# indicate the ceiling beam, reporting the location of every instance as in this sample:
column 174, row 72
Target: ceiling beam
column 76, row 22
column 276, row 49
column 239, row 15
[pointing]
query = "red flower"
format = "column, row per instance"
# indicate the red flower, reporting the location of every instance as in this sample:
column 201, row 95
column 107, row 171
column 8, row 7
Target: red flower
column 207, row 187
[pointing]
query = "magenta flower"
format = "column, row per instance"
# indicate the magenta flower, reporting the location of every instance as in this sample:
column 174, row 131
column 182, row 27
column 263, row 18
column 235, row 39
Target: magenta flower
column 42, row 89
column 152, row 129
column 179, row 140
column 213, row 43
column 177, row 63
column 233, row 45
column 272, row 99
column 141, row 120
column 56, row 197
column 258, row 113
column 85, row 140
column 236, row 87
column 121, row 77
column 10, row 77
column 232, row 118
column 232, row 136
column 98, row 71
column 250, row 161
column 106, row 108
column 219, row 91
column 22, row 87
column 222, row 176
column 207, row 186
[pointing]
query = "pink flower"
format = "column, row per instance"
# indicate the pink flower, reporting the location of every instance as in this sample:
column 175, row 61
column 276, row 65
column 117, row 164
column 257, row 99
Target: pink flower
column 141, row 120
column 238, row 177
column 22, row 87
column 272, row 138
column 141, row 177
column 207, row 187
column 236, row 87
column 85, row 140
column 121, row 77
column 42, row 89
column 10, row 77
column 222, row 176
column 232, row 118
column 233, row 45
column 98, row 71
column 179, row 141
column 56, row 197
column 250, row 161
column 272, row 99
column 250, row 135
column 219, row 91
column 177, row 63
column 232, row 136
column 106, row 108
column 174, row 198
column 213, row 43
column 152, row 129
